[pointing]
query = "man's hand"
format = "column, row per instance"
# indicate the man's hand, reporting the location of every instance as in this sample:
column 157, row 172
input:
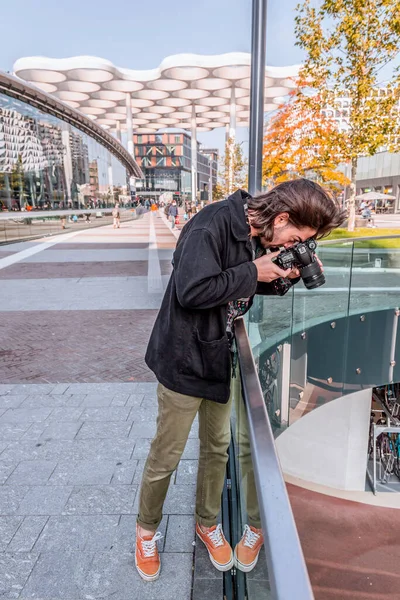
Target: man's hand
column 267, row 270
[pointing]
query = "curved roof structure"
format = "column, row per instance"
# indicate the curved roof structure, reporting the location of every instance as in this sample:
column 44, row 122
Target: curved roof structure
column 12, row 86
column 161, row 97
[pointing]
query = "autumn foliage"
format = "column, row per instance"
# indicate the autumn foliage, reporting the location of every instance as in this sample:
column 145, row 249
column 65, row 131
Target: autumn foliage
column 301, row 142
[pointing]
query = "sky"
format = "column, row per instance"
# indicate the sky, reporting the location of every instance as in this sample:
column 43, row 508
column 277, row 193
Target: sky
column 138, row 35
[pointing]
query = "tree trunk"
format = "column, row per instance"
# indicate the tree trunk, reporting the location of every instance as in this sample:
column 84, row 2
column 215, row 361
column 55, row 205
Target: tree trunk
column 352, row 201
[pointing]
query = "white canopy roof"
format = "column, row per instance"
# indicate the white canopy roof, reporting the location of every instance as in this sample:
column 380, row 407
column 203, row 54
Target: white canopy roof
column 160, row 97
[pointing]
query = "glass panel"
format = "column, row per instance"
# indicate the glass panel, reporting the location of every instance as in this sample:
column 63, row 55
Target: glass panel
column 244, row 509
column 319, row 334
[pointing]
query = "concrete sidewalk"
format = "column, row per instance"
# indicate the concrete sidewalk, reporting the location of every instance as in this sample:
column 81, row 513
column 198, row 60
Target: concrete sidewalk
column 77, row 414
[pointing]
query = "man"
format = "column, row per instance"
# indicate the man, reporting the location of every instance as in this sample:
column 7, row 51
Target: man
column 219, row 264
column 116, row 217
column 173, row 213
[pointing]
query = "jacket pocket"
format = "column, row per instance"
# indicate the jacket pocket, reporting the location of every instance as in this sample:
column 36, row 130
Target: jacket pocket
column 210, row 361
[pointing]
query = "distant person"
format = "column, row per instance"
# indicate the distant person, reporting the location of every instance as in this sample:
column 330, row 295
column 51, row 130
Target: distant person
column 116, row 216
column 219, row 264
column 173, row 213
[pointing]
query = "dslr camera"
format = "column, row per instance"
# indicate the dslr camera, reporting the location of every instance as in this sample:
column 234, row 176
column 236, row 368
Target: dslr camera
column 302, row 256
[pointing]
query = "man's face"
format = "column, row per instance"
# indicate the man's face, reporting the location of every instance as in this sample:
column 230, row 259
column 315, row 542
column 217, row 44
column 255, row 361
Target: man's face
column 285, row 234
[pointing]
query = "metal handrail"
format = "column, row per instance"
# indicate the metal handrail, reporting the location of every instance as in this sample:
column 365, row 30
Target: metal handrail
column 287, row 570
column 358, row 239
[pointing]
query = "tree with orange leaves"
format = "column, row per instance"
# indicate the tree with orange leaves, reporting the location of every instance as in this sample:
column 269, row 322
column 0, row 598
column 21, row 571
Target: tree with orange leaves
column 300, row 141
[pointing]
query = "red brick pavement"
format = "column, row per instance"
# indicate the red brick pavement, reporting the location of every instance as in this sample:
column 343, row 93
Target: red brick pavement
column 352, row 550
column 75, row 346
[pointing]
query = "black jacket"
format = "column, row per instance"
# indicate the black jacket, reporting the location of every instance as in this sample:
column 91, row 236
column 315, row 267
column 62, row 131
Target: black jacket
column 189, row 349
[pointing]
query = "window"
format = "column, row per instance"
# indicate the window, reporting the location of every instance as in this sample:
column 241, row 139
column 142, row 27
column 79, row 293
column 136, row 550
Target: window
column 178, row 139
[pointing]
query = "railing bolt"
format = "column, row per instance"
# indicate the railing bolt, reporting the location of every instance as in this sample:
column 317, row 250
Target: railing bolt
column 329, row 380
column 303, row 335
column 362, row 318
column 279, row 348
column 358, row 371
column 333, row 324
column 392, row 363
column 397, row 312
column 301, row 394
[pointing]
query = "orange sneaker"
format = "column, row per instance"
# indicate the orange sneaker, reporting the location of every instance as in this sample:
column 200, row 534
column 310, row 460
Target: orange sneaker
column 248, row 549
column 147, row 559
column 219, row 550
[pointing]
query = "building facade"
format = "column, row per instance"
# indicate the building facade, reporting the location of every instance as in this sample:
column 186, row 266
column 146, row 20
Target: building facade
column 51, row 156
column 165, row 160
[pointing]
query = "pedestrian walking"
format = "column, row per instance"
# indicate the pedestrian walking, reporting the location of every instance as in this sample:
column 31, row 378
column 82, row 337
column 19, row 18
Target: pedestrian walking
column 116, row 216
column 173, row 213
column 221, row 260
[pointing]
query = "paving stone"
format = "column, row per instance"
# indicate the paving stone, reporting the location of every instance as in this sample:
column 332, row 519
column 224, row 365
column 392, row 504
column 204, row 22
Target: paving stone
column 143, row 430
column 8, row 527
column 31, row 415
column 111, row 499
column 12, row 400
column 15, row 569
column 61, row 430
column 186, row 473
column 120, row 399
column 113, row 575
column 142, row 448
column 134, row 400
column 259, row 590
column 103, row 388
column 210, row 588
column 118, row 449
column 74, row 399
column 98, row 429
column 44, row 500
column 3, row 446
column 97, row 400
column 6, row 468
column 260, row 572
column 34, row 432
column 83, row 472
column 150, row 401
column 180, row 533
column 137, row 479
column 60, row 388
column 67, row 413
column 148, row 388
column 10, row 498
column 143, row 414
column 27, row 534
column 29, row 450
column 203, row 569
column 32, row 472
column 113, row 413
column 58, row 576
column 32, row 388
column 6, row 388
column 191, row 450
column 180, row 500
column 13, row 431
column 43, row 400
column 124, row 472
column 75, row 533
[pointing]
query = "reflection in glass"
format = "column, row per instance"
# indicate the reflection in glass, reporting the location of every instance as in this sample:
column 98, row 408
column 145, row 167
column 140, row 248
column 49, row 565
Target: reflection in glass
column 46, row 163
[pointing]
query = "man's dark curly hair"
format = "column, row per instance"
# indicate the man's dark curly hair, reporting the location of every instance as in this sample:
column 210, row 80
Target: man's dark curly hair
column 306, row 202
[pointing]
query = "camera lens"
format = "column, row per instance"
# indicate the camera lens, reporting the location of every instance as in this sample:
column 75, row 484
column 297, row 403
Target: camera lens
column 312, row 276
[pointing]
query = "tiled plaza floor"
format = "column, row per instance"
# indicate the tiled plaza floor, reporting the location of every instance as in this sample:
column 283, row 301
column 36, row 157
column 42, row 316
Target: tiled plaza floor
column 77, row 413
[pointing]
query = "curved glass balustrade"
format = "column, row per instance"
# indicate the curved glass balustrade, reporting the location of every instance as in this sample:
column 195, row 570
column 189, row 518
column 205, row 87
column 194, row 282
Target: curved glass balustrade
column 309, row 347
column 312, row 346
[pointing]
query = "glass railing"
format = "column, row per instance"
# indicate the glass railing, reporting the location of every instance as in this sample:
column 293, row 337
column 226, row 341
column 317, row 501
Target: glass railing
column 307, row 348
column 312, row 346
column 259, row 498
column 28, row 225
